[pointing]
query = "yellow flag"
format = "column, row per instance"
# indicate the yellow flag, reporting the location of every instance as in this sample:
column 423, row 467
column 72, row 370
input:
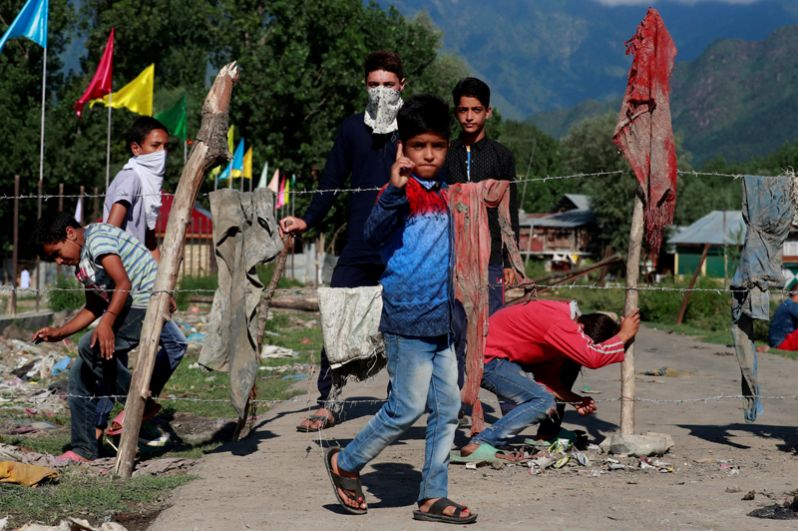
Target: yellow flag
column 135, row 96
column 231, row 136
column 248, row 164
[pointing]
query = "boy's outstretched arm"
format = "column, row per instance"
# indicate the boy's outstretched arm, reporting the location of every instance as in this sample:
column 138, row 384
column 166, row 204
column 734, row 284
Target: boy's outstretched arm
column 82, row 319
column 391, row 205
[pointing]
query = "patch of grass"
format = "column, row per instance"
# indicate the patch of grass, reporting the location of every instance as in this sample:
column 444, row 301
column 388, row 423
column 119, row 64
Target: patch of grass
column 192, row 285
column 71, row 298
column 54, row 442
column 95, row 498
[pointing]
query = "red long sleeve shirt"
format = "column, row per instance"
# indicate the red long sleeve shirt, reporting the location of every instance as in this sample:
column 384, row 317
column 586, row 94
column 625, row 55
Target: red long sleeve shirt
column 542, row 331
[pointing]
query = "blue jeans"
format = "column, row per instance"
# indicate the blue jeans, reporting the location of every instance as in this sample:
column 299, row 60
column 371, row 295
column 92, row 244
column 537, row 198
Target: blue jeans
column 423, row 373
column 533, row 403
column 173, row 347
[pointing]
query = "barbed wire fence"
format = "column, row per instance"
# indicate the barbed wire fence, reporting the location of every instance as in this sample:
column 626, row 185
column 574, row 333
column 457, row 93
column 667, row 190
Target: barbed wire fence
column 307, row 402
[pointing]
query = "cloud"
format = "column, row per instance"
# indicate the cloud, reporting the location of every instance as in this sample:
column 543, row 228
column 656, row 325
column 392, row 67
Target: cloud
column 613, row 3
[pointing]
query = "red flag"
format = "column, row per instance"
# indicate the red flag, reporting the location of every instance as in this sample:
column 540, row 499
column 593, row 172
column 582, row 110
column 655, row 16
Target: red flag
column 644, row 132
column 101, row 82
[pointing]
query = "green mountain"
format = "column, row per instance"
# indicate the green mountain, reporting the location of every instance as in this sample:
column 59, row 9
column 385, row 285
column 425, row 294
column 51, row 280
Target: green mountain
column 737, row 100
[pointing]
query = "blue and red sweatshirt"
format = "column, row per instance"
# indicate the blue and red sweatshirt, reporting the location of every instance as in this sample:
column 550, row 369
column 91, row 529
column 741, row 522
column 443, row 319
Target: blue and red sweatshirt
column 411, row 227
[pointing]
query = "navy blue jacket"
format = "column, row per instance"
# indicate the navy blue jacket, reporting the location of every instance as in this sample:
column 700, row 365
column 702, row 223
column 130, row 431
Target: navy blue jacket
column 368, row 158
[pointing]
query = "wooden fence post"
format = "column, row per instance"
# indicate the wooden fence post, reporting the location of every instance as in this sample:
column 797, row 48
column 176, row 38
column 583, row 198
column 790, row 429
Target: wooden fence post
column 208, row 150
column 632, row 276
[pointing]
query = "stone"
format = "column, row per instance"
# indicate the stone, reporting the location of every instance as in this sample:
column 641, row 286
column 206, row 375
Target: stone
column 648, row 444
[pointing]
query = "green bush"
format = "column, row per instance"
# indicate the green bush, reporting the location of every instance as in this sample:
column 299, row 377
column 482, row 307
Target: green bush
column 191, row 285
column 66, row 295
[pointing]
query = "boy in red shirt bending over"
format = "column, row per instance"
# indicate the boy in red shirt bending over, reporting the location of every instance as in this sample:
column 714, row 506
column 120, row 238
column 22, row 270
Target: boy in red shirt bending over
column 550, row 339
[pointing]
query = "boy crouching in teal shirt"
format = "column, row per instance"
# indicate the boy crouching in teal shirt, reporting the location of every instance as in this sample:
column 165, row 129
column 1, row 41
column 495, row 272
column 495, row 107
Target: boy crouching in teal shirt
column 410, row 223
column 118, row 273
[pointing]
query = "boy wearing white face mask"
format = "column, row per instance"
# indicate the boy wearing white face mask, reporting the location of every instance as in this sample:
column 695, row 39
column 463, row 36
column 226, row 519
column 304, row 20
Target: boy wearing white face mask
column 132, row 203
column 365, row 149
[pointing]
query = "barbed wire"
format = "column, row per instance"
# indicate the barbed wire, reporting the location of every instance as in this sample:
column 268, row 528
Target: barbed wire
column 5, row 290
column 374, row 401
column 539, row 179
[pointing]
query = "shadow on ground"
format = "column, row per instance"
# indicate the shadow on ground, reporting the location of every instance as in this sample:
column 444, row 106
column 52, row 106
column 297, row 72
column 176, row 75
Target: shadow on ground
column 723, row 434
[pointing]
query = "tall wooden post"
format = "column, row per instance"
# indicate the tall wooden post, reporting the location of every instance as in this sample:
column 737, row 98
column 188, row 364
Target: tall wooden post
column 632, row 276
column 208, row 150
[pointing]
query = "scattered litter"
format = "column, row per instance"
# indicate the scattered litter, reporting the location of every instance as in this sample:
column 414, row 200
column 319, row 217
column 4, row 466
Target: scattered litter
column 785, row 511
column 74, row 524
column 275, row 352
column 590, row 390
column 60, row 366
column 750, row 495
column 471, row 466
column 196, row 337
column 733, row 490
column 25, row 475
column 665, row 371
column 295, row 377
column 647, row 463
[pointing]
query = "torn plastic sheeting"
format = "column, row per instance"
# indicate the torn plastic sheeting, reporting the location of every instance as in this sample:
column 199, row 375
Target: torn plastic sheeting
column 350, row 322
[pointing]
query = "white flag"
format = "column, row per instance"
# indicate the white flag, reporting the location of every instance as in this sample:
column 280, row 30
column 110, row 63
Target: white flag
column 264, row 175
column 79, row 211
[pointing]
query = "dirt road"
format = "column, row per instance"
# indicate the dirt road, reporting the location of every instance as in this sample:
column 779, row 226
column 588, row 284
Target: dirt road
column 276, row 479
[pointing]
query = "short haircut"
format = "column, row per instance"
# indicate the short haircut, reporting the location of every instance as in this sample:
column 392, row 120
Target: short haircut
column 51, row 228
column 423, row 114
column 598, row 326
column 141, row 128
column 383, row 60
column 471, row 87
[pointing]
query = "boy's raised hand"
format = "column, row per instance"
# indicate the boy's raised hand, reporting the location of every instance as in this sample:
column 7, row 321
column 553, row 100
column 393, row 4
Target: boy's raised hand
column 401, row 169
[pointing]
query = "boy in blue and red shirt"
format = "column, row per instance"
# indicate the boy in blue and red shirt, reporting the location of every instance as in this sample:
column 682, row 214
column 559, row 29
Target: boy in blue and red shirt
column 410, row 223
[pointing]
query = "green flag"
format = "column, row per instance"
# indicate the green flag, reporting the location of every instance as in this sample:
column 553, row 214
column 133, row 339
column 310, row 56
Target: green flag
column 175, row 119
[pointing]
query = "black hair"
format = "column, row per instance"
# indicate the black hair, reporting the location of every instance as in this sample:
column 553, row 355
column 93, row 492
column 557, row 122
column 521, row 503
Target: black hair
column 383, row 60
column 598, row 326
column 139, row 130
column 471, row 87
column 423, row 114
column 51, row 228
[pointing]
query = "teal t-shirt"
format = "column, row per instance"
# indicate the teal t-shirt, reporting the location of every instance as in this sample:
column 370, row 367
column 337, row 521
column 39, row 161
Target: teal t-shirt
column 102, row 239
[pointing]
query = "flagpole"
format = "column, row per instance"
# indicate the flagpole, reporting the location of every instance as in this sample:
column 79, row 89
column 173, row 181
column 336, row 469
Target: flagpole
column 108, row 143
column 41, row 173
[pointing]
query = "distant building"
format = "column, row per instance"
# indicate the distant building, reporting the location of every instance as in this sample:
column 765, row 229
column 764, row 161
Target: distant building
column 564, row 234
column 723, row 231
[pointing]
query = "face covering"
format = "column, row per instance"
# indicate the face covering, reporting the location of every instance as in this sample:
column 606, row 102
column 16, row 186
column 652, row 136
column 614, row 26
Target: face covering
column 381, row 109
column 150, row 168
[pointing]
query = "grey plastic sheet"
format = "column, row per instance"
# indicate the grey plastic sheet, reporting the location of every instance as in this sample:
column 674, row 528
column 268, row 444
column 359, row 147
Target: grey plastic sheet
column 245, row 235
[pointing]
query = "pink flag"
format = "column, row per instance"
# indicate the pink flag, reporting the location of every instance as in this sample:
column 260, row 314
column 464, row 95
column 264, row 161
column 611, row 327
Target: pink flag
column 281, row 195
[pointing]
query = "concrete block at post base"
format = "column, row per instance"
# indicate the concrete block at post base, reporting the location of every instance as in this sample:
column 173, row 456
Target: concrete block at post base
column 648, row 444
column 28, row 321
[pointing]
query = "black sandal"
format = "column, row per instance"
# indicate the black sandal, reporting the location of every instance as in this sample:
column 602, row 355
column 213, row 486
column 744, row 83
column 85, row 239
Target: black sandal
column 347, row 484
column 435, row 513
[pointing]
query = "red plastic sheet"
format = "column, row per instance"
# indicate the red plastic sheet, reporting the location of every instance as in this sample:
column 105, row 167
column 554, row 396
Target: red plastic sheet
column 644, row 132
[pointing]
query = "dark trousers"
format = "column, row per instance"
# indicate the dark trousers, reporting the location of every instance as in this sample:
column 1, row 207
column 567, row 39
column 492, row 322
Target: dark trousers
column 549, row 427
column 345, row 276
column 92, row 377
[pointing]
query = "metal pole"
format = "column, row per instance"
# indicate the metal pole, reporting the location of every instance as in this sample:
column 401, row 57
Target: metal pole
column 108, row 144
column 15, row 252
column 41, row 173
